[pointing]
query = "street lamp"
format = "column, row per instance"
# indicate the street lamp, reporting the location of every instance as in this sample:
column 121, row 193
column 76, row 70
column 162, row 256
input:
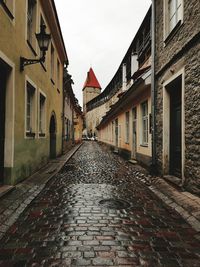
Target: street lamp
column 43, row 41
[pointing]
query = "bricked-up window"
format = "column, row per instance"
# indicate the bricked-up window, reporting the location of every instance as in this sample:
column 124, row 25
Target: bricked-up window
column 30, row 109
column 144, row 111
column 42, row 114
column 127, row 126
column 31, row 22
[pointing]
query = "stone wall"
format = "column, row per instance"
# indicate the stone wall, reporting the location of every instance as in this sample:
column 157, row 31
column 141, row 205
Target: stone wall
column 181, row 51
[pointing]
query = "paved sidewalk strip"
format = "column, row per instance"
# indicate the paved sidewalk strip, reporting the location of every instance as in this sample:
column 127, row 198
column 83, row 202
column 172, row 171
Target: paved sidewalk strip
column 13, row 204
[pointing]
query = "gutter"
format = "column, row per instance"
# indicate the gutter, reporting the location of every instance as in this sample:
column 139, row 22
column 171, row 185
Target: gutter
column 153, row 93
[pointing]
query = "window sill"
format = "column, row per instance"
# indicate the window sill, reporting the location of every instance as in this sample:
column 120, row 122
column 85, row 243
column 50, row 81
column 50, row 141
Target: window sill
column 43, row 66
column 173, row 32
column 144, row 145
column 52, row 81
column 30, row 135
column 31, row 47
column 42, row 134
column 7, row 10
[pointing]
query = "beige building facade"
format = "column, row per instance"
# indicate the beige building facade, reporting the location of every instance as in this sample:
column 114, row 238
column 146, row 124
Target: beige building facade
column 126, row 126
column 31, row 99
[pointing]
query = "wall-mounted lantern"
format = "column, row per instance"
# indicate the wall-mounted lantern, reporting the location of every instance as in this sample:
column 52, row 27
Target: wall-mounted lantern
column 43, row 41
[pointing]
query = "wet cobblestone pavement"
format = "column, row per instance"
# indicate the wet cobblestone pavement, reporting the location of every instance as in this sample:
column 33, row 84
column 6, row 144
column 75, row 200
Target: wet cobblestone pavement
column 95, row 212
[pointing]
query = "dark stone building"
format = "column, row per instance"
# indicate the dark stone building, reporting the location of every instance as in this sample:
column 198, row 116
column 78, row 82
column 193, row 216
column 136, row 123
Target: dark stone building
column 177, row 91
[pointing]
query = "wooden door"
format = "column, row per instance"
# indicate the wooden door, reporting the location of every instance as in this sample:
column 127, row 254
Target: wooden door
column 134, row 131
column 52, row 130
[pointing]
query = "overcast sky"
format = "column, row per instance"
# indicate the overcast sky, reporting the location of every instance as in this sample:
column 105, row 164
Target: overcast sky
column 97, row 34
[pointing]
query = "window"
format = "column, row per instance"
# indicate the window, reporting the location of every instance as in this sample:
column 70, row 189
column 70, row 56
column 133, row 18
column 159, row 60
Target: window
column 127, row 127
column 144, row 110
column 44, row 64
column 58, row 74
column 31, row 22
column 52, row 63
column 113, row 125
column 173, row 14
column 30, row 100
column 68, row 130
column 8, row 6
column 42, row 100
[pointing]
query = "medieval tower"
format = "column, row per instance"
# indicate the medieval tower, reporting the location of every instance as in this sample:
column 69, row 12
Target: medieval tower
column 91, row 88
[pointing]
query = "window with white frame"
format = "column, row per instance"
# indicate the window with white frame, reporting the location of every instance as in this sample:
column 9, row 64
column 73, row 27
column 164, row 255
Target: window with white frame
column 173, row 14
column 127, row 126
column 30, row 109
column 42, row 104
column 31, row 22
column 144, row 113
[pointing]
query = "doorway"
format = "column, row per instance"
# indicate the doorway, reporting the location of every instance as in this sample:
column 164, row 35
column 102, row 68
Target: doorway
column 52, row 131
column 134, row 131
column 3, row 84
column 175, row 128
column 116, row 133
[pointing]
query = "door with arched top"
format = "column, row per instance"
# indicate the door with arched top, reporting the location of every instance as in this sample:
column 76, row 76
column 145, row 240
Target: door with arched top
column 52, row 131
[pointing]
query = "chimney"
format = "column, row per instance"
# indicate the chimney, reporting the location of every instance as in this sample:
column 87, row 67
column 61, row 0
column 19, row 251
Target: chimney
column 134, row 62
column 124, row 80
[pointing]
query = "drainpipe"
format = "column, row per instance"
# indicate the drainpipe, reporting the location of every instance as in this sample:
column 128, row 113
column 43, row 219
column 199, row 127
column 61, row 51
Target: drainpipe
column 153, row 93
column 63, row 116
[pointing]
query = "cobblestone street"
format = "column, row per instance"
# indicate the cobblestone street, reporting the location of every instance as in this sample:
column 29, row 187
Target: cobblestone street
column 96, row 212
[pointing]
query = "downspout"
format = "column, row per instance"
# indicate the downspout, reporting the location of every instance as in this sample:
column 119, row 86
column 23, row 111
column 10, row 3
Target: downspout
column 153, row 93
column 63, row 114
column 73, row 140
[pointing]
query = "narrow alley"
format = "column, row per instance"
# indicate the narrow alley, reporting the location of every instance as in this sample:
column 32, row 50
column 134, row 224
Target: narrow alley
column 96, row 212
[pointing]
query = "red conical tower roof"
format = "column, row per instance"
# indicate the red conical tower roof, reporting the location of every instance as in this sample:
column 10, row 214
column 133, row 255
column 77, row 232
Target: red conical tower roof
column 91, row 80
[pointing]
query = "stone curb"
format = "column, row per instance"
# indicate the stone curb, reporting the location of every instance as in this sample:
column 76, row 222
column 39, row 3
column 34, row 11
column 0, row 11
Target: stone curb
column 183, row 212
column 13, row 214
column 174, row 200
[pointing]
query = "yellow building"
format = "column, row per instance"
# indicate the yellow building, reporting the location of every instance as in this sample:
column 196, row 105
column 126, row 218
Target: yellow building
column 78, row 124
column 126, row 126
column 31, row 100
